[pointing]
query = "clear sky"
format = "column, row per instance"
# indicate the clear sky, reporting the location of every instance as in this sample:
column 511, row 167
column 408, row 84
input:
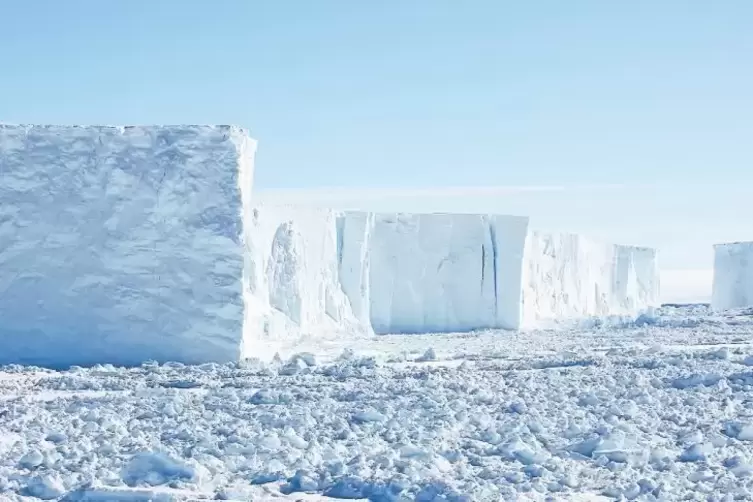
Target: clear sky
column 655, row 97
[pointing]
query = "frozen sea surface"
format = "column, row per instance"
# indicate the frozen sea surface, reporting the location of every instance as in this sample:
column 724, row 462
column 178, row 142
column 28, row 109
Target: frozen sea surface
column 655, row 409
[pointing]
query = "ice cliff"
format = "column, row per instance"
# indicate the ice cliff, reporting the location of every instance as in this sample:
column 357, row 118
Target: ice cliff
column 423, row 273
column 294, row 290
column 443, row 272
column 569, row 276
column 733, row 276
column 124, row 244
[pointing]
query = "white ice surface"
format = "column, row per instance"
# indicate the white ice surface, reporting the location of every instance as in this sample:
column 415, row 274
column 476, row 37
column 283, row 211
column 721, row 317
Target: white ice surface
column 293, row 286
column 568, row 276
column 122, row 244
column 419, row 273
column 733, row 276
column 460, row 272
column 354, row 266
column 509, row 238
column 657, row 409
column 432, row 273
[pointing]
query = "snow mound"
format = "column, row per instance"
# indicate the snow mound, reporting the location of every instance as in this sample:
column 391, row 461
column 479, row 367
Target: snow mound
column 152, row 469
column 733, row 276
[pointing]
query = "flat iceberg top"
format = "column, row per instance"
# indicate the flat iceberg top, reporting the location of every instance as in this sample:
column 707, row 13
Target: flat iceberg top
column 735, row 245
column 64, row 127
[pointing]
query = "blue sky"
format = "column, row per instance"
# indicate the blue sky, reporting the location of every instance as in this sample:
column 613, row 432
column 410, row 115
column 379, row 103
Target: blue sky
column 655, row 97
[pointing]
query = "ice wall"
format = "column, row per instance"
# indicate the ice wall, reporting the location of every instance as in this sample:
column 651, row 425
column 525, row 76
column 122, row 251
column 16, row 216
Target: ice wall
column 294, row 287
column 733, row 276
column 431, row 273
column 354, row 234
column 444, row 272
column 461, row 272
column 568, row 276
column 122, row 244
column 509, row 237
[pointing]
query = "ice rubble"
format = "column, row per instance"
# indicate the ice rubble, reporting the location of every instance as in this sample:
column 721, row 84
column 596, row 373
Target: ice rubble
column 122, row 244
column 541, row 415
column 733, row 276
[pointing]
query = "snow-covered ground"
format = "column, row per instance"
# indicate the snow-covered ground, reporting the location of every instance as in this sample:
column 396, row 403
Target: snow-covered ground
column 658, row 409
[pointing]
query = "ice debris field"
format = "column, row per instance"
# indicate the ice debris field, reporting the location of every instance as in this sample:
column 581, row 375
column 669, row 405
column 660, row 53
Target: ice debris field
column 660, row 409
column 166, row 338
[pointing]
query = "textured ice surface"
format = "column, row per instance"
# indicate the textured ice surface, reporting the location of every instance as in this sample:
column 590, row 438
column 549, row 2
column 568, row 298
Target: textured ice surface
column 733, row 276
column 136, row 243
column 122, row 244
column 459, row 272
column 568, row 276
column 293, row 287
column 354, row 263
column 316, row 271
column 445, row 272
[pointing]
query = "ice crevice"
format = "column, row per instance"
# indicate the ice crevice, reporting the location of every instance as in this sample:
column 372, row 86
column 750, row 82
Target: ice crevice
column 493, row 240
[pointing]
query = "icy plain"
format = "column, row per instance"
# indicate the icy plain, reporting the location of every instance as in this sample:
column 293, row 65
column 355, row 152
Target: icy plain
column 657, row 408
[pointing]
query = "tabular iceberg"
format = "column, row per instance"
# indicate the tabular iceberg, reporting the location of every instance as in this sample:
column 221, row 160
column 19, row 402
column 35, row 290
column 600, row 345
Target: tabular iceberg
column 294, row 290
column 424, row 273
column 443, row 272
column 569, row 276
column 733, row 276
column 123, row 244
column 460, row 272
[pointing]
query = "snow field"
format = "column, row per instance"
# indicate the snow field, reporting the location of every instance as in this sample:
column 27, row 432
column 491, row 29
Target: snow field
column 596, row 411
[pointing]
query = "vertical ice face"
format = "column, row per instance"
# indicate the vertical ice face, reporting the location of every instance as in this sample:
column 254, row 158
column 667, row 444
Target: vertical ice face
column 122, row 244
column 137, row 243
column 294, row 288
column 285, row 272
column 445, row 272
column 508, row 236
column 460, row 272
column 354, row 233
column 733, row 276
column 419, row 265
column 568, row 276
